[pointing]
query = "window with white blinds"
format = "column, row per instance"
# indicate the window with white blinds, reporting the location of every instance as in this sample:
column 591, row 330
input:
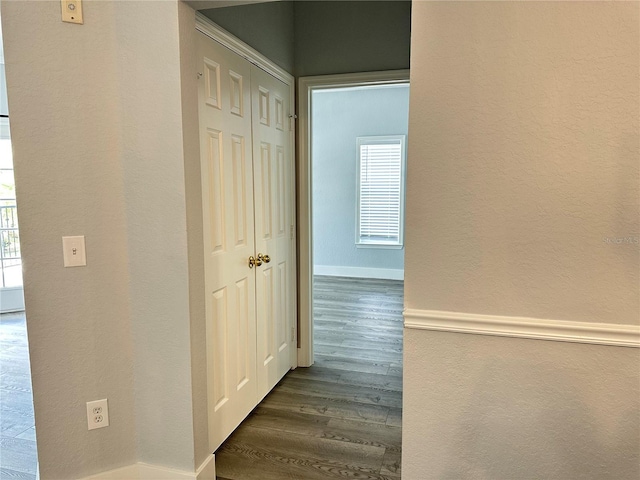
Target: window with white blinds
column 380, row 202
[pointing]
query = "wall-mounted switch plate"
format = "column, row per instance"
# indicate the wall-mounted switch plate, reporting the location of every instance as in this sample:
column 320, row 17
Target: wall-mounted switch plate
column 74, row 252
column 72, row 11
column 97, row 414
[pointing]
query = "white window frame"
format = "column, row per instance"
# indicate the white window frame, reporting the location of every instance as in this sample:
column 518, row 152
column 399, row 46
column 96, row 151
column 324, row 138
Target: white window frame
column 381, row 140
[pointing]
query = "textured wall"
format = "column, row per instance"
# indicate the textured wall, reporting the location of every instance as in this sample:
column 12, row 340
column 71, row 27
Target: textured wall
column 154, row 185
column 339, row 117
column 69, row 181
column 98, row 141
column 523, row 153
column 195, row 247
column 523, row 159
column 493, row 408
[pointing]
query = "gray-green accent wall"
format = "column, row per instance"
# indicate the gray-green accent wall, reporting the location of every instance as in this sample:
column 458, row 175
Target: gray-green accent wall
column 324, row 37
column 247, row 22
column 345, row 37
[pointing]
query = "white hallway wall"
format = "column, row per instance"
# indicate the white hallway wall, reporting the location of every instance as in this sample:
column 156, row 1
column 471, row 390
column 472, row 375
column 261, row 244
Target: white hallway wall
column 339, row 116
column 523, row 158
column 101, row 122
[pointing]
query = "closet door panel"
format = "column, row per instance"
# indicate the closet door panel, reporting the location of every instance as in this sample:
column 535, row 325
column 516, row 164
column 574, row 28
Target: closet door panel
column 224, row 104
column 273, row 225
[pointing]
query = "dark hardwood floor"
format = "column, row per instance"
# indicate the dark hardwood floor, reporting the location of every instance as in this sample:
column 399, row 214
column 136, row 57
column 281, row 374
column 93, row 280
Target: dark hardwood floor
column 18, row 457
column 340, row 418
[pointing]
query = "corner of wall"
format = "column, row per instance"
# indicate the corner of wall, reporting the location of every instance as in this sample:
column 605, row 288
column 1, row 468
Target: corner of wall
column 195, row 246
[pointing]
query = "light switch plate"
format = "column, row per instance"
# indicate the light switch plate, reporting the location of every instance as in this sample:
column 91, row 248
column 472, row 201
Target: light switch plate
column 74, row 252
column 72, row 11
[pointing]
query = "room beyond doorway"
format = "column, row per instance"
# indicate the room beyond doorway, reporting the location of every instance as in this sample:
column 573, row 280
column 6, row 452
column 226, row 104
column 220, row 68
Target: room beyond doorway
column 18, row 453
column 358, row 156
column 352, row 138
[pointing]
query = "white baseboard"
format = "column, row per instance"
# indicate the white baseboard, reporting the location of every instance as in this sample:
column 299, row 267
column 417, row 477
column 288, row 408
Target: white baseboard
column 359, row 272
column 143, row 471
column 523, row 327
column 207, row 470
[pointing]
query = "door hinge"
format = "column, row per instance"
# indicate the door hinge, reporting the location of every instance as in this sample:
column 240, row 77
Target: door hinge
column 293, row 333
column 291, row 232
column 292, row 121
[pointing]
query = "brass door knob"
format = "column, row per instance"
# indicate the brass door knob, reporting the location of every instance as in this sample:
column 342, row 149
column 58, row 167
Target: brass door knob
column 255, row 261
column 264, row 258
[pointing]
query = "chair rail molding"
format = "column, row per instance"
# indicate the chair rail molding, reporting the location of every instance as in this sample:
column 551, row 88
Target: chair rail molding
column 215, row 32
column 523, row 327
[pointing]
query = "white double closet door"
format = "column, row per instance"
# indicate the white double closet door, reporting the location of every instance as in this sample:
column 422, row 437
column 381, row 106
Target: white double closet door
column 248, row 198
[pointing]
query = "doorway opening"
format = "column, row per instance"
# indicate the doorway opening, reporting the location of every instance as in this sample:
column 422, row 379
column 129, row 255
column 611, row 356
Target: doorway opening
column 358, row 156
column 352, row 150
column 18, row 453
column 344, row 411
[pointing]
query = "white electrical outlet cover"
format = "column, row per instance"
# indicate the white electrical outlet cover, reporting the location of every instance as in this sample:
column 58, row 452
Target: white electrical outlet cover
column 97, row 414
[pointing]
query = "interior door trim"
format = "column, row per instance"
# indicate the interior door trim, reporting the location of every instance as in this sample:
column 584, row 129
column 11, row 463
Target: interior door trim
column 217, row 33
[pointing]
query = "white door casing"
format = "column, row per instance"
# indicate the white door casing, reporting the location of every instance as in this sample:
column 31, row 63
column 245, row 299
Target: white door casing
column 248, row 195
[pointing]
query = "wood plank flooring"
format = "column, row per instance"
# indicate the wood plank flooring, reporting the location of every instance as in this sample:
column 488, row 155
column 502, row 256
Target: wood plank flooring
column 18, row 457
column 340, row 418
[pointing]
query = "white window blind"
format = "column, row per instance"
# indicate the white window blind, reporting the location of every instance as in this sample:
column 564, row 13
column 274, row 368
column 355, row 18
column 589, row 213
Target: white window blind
column 380, row 190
